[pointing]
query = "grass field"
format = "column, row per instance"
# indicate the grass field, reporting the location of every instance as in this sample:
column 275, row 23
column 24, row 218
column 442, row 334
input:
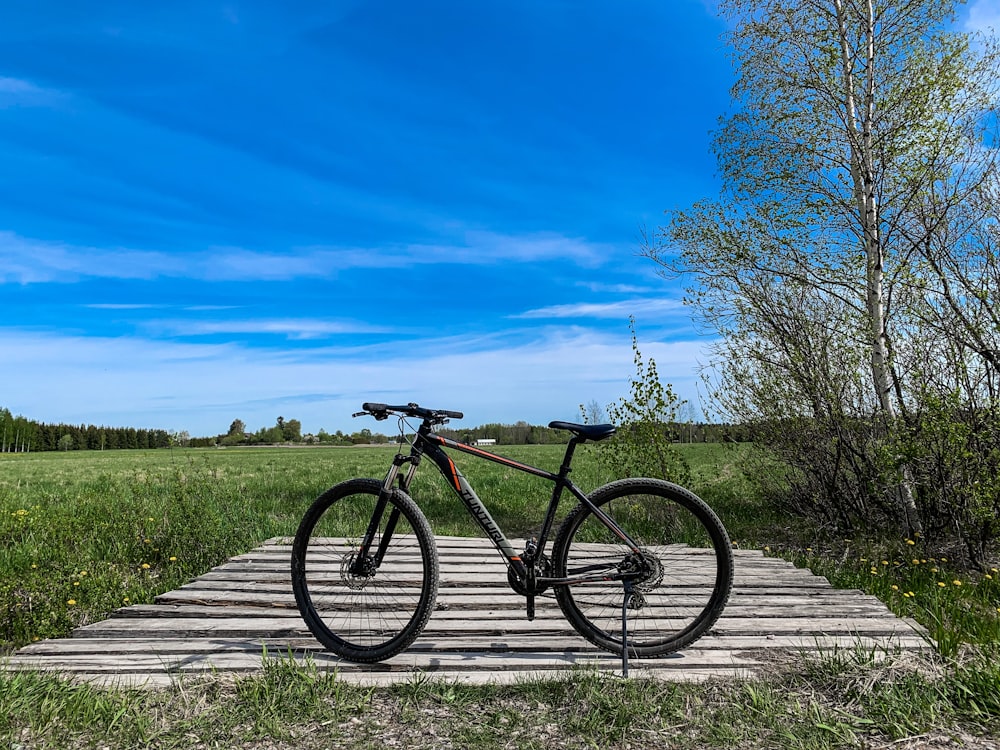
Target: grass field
column 82, row 533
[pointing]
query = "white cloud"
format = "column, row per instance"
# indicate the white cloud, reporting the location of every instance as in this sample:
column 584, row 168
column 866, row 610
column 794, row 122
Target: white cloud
column 16, row 86
column 202, row 387
column 21, row 93
column 28, row 261
column 292, row 328
column 622, row 309
column 983, row 15
column 121, row 306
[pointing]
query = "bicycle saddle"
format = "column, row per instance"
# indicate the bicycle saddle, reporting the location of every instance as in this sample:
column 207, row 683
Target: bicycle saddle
column 586, row 431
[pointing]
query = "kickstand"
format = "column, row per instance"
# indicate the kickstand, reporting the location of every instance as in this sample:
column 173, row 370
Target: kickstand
column 626, row 601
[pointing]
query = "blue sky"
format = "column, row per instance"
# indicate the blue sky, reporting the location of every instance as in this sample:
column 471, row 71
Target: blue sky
column 212, row 211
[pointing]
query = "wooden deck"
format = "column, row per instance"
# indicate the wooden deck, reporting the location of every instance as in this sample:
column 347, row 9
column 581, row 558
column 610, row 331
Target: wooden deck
column 242, row 612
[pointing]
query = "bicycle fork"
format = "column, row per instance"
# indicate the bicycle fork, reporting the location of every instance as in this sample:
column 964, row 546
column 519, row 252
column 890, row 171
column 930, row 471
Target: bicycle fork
column 361, row 563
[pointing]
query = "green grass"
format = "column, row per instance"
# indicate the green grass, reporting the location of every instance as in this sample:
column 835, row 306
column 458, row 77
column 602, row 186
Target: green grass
column 957, row 607
column 106, row 529
column 82, row 533
column 851, row 700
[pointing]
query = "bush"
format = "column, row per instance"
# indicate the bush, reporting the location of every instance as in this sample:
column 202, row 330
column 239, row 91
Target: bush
column 953, row 452
column 643, row 445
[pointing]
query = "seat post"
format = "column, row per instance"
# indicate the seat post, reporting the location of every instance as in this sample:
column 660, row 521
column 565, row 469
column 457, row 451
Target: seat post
column 568, row 457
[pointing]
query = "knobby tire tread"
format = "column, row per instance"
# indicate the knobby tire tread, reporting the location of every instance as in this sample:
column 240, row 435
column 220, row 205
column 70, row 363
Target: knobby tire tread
column 306, row 546
column 676, row 502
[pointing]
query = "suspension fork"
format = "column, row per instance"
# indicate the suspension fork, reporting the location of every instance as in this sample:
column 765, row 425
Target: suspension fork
column 358, row 567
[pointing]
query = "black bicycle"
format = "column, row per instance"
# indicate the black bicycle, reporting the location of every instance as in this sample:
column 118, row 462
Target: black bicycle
column 641, row 567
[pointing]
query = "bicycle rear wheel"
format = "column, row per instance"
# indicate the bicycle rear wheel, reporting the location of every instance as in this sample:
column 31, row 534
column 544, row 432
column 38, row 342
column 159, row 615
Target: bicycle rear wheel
column 686, row 562
column 370, row 611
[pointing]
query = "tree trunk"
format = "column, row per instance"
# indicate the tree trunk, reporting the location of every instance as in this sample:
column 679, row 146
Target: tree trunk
column 863, row 178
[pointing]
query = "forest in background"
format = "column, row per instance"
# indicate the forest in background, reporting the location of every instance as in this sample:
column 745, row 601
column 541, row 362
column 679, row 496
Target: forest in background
column 19, row 434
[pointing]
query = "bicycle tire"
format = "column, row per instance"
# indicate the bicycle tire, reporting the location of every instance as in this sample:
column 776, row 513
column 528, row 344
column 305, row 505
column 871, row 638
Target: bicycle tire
column 370, row 617
column 688, row 579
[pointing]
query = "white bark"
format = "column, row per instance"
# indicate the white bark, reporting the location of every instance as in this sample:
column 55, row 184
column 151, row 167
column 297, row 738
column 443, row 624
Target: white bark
column 859, row 133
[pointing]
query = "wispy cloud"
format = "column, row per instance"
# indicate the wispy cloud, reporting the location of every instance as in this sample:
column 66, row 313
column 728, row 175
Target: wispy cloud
column 120, row 306
column 22, row 93
column 26, row 261
column 291, row 328
column 140, row 382
column 621, row 309
column 983, row 15
column 604, row 288
column 16, row 86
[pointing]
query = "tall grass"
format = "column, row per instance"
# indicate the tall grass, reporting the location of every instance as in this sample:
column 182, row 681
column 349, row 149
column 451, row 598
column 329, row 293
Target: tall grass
column 82, row 533
column 105, row 529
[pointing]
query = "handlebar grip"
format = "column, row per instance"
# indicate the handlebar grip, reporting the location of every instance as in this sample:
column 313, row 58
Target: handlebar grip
column 452, row 414
column 374, row 407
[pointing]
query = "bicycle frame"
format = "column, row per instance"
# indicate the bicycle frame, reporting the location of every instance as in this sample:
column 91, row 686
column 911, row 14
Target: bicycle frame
column 431, row 445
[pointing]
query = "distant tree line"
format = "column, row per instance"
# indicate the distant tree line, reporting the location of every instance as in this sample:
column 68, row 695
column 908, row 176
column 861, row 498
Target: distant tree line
column 21, row 435
column 289, row 431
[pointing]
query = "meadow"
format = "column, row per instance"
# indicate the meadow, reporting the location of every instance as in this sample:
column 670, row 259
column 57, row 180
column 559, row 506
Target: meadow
column 82, row 533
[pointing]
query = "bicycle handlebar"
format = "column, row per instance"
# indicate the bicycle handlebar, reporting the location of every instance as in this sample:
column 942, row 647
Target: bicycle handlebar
column 382, row 411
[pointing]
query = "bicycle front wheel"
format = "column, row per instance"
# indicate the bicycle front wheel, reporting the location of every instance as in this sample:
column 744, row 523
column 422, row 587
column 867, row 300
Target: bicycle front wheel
column 370, row 609
column 681, row 576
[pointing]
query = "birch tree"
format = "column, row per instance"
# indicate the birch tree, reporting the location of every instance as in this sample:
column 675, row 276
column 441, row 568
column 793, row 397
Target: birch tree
column 851, row 120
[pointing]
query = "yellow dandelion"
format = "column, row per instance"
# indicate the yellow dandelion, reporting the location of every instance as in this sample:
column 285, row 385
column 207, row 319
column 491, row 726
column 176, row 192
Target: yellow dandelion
column 864, row 559
column 874, row 571
column 911, row 593
column 83, row 573
column 173, row 559
column 126, row 599
column 915, row 562
column 934, row 570
column 995, row 570
column 957, row 582
column 944, row 559
column 895, row 587
column 988, row 577
column 146, row 541
column 34, row 567
column 71, row 602
column 941, row 584
column 923, row 561
column 145, row 566
column 809, row 549
column 910, row 542
column 885, row 562
column 76, row 583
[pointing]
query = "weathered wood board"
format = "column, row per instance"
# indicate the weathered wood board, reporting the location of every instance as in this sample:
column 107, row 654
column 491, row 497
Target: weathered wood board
column 236, row 616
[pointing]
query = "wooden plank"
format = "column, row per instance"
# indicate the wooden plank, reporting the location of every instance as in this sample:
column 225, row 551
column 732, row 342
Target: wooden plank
column 70, row 646
column 478, row 633
column 237, row 605
column 290, row 626
column 408, row 661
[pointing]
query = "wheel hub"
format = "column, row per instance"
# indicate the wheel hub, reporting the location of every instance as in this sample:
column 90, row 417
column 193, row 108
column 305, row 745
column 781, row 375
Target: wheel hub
column 354, row 580
column 645, row 569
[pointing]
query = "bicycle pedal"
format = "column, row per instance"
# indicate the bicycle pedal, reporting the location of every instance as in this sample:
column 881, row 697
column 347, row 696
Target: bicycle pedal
column 530, row 608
